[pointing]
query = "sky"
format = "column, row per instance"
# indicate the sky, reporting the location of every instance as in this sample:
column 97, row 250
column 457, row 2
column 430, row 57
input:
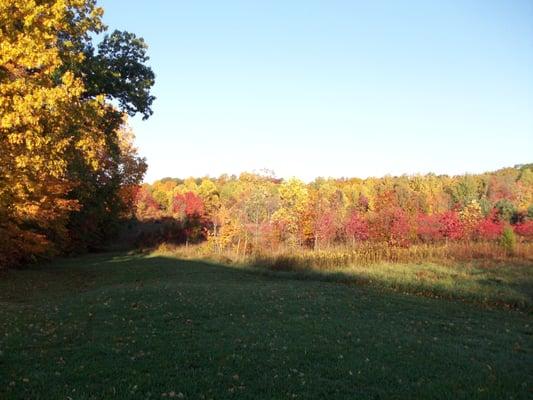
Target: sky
column 334, row 88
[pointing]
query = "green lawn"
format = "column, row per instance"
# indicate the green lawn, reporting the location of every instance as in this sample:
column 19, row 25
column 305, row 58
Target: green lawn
column 121, row 326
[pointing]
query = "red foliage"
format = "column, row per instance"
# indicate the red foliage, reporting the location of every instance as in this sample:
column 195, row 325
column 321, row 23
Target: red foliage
column 356, row 227
column 325, row 226
column 189, row 208
column 128, row 195
column 451, row 225
column 524, row 229
column 399, row 229
column 146, row 206
column 391, row 225
column 490, row 227
column 189, row 205
column 429, row 227
column 363, row 203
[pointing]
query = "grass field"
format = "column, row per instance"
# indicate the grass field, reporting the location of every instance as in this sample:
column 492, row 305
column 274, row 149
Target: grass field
column 433, row 271
column 132, row 326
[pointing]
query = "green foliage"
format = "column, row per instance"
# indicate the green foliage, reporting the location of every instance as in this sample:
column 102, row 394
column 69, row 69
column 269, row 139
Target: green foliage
column 486, row 206
column 465, row 190
column 508, row 240
column 118, row 70
column 505, row 209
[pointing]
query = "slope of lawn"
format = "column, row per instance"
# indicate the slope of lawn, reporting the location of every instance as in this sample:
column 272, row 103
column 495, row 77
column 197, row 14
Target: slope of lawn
column 131, row 326
column 506, row 282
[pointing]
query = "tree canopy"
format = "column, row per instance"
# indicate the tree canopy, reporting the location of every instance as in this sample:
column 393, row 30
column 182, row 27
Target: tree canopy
column 66, row 155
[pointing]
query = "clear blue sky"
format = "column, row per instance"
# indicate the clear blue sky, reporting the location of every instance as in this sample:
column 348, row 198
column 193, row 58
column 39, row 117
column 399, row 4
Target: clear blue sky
column 334, row 88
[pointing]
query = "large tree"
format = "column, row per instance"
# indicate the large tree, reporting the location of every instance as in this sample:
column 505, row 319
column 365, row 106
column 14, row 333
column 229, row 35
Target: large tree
column 63, row 160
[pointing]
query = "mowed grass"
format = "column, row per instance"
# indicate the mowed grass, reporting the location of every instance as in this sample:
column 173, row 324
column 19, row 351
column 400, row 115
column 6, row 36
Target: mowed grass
column 132, row 326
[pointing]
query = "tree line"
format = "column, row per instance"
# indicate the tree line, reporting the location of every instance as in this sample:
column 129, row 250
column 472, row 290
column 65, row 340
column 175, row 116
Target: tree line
column 260, row 212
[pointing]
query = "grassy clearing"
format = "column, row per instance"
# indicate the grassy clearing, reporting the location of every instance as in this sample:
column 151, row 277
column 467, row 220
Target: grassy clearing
column 132, row 326
column 498, row 280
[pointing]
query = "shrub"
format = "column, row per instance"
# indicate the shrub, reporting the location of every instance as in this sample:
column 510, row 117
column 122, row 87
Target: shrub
column 452, row 227
column 505, row 209
column 525, row 229
column 490, row 227
column 508, row 240
column 429, row 228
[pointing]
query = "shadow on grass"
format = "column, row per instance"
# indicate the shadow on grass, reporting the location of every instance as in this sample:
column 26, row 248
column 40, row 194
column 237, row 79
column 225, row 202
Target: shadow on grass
column 96, row 271
column 93, row 271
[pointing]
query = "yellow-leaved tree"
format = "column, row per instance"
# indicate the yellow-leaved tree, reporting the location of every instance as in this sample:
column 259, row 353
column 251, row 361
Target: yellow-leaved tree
column 55, row 125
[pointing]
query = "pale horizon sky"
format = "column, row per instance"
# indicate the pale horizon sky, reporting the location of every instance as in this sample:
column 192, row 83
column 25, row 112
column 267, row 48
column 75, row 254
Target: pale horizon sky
column 334, row 88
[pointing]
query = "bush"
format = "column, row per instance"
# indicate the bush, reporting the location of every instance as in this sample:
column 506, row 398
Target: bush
column 505, row 209
column 508, row 240
column 524, row 229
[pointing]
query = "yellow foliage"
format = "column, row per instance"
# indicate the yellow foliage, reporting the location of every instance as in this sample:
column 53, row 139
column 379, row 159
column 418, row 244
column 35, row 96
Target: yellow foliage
column 42, row 116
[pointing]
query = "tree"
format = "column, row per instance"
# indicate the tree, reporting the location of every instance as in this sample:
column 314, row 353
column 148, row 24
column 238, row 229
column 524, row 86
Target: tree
column 208, row 192
column 325, row 211
column 146, row 207
column 508, row 240
column 464, row 190
column 356, row 227
column 391, row 226
column 99, row 192
column 60, row 147
column 189, row 209
column 470, row 216
column 117, row 70
column 38, row 110
column 293, row 202
column 259, row 205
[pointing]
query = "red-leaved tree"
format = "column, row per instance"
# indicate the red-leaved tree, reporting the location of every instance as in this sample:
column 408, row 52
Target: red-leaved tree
column 325, row 227
column 392, row 226
column 356, row 227
column 189, row 208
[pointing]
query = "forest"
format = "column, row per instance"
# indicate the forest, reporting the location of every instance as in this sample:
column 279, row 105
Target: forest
column 260, row 213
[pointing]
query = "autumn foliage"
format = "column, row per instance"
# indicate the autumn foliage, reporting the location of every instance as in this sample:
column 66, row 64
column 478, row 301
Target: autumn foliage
column 260, row 213
column 69, row 172
column 68, row 169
